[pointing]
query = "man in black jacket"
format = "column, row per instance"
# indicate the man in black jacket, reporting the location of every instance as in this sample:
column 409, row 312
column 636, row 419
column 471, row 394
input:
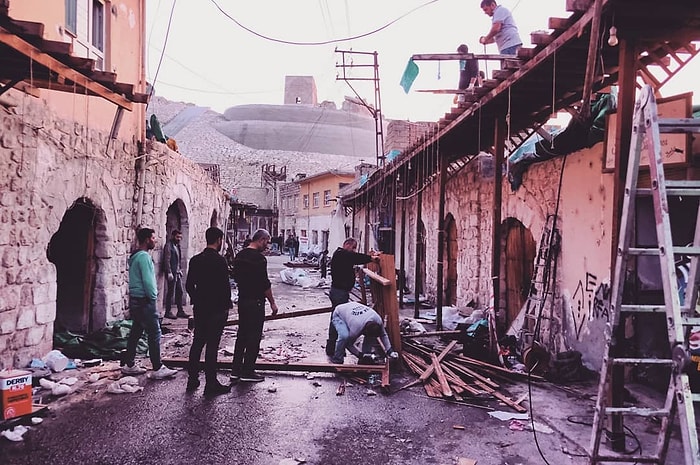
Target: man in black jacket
column 210, row 292
column 343, row 280
column 250, row 273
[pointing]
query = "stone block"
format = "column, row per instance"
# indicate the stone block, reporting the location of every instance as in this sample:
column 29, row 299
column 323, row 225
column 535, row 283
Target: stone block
column 25, row 317
column 9, row 298
column 46, row 273
column 41, row 294
column 25, row 295
column 8, row 322
column 34, row 336
column 9, row 257
column 46, row 313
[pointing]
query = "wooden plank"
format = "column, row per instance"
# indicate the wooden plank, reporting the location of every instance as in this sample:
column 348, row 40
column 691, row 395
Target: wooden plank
column 431, row 333
column 560, row 23
column 541, row 38
column 591, row 64
column 459, row 56
column 578, row 5
column 390, row 301
column 376, row 277
column 271, row 366
column 283, row 316
column 444, row 385
column 29, row 50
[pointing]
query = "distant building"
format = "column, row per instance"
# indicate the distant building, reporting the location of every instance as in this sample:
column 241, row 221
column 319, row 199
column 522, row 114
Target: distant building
column 306, row 205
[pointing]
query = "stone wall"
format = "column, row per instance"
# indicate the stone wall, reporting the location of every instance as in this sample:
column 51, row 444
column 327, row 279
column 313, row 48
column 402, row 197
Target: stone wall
column 50, row 165
column 584, row 211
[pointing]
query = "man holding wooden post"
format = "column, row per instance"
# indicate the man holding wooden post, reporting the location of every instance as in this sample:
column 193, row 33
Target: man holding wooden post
column 343, row 280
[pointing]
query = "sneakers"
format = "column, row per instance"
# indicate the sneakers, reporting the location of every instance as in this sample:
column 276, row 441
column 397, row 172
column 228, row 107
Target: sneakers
column 216, row 389
column 181, row 314
column 170, row 315
column 192, row 384
column 163, row 372
column 133, row 370
column 252, row 378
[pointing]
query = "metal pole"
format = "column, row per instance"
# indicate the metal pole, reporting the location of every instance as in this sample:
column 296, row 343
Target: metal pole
column 441, row 242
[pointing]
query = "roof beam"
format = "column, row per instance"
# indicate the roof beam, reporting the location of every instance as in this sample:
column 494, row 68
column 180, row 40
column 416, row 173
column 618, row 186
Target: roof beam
column 35, row 54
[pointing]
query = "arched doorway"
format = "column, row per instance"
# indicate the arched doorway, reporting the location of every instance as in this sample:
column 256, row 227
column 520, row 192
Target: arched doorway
column 519, row 256
column 177, row 218
column 450, row 257
column 72, row 250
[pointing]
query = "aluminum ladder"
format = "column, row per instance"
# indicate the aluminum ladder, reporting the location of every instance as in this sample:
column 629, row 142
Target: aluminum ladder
column 679, row 318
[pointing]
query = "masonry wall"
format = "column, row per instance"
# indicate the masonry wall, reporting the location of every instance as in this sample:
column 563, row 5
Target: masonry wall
column 47, row 165
column 585, row 220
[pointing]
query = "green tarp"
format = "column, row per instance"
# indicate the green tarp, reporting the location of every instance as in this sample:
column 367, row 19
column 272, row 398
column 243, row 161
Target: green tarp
column 409, row 75
column 106, row 343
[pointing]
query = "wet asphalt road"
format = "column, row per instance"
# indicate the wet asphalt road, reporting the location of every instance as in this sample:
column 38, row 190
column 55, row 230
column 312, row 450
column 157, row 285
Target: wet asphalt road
column 303, row 419
column 252, row 426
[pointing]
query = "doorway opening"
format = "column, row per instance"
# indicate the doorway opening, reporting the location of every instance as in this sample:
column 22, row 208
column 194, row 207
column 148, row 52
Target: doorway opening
column 451, row 252
column 72, row 250
column 518, row 261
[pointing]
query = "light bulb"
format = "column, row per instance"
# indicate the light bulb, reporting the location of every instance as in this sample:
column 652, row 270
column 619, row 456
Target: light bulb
column 612, row 40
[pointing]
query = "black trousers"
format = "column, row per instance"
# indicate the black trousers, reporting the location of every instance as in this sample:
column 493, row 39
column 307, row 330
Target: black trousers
column 208, row 329
column 251, row 316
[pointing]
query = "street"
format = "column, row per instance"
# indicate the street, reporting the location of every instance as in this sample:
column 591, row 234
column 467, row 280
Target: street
column 298, row 418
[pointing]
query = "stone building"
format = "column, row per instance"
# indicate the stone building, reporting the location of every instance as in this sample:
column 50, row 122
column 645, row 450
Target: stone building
column 78, row 174
column 467, row 235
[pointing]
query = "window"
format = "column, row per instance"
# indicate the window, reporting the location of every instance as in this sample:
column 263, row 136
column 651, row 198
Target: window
column 317, row 199
column 326, row 198
column 303, row 233
column 314, row 237
column 306, row 201
column 86, row 22
column 72, row 16
column 295, row 205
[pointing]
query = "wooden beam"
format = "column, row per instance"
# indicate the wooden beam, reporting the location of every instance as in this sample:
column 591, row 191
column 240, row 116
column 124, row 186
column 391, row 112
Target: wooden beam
column 459, row 56
column 283, row 316
column 444, row 385
column 591, row 65
column 376, row 277
column 181, row 362
column 29, row 50
column 431, row 333
column 559, row 23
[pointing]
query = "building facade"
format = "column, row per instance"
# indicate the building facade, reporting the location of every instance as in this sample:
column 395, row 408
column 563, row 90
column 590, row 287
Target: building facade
column 306, row 206
column 78, row 180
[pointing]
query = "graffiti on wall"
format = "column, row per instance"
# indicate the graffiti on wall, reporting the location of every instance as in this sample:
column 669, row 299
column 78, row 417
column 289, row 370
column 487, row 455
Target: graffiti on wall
column 591, row 301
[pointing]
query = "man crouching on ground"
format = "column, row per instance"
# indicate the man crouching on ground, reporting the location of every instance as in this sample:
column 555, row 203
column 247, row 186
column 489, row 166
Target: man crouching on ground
column 353, row 319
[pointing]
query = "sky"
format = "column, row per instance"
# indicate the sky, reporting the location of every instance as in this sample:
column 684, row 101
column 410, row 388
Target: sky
column 211, row 61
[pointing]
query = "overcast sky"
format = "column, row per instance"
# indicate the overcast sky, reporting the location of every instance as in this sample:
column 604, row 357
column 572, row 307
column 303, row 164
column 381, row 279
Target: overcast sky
column 211, row 61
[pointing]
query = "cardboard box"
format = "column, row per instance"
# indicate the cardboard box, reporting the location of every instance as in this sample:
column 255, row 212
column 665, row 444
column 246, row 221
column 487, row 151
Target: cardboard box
column 15, row 393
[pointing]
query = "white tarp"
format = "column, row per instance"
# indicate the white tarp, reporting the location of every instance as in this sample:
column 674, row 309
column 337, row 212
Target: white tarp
column 336, row 235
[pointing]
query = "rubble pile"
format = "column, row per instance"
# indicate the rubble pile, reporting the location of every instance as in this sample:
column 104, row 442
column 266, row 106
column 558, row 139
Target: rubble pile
column 447, row 374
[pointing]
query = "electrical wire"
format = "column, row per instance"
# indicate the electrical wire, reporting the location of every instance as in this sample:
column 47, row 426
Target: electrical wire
column 165, row 44
column 323, row 42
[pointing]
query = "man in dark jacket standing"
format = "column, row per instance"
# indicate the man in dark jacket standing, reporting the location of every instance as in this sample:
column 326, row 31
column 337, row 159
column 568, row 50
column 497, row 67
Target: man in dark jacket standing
column 250, row 273
column 343, row 280
column 173, row 274
column 210, row 292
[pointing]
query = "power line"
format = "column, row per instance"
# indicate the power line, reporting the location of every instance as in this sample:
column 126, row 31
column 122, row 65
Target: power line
column 325, row 42
column 165, row 44
column 192, row 71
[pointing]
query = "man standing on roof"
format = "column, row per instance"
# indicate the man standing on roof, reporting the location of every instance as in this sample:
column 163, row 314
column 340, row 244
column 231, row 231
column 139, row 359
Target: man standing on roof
column 468, row 73
column 503, row 29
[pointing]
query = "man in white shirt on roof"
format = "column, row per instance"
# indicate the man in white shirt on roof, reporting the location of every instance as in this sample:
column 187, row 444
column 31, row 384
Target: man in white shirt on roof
column 503, row 29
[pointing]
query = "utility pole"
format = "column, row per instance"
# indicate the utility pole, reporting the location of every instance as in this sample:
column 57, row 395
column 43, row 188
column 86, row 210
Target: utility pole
column 347, row 63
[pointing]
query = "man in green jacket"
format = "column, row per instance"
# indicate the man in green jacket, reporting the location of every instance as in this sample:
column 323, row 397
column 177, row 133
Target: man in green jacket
column 143, row 294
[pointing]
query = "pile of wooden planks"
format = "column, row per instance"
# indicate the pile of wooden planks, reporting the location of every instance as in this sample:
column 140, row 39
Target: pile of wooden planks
column 445, row 373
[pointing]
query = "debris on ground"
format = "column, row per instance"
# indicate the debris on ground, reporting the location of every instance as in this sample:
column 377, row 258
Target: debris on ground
column 446, row 374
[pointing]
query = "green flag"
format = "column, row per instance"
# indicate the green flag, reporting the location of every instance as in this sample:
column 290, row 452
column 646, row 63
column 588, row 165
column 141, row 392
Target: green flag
column 409, row 75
